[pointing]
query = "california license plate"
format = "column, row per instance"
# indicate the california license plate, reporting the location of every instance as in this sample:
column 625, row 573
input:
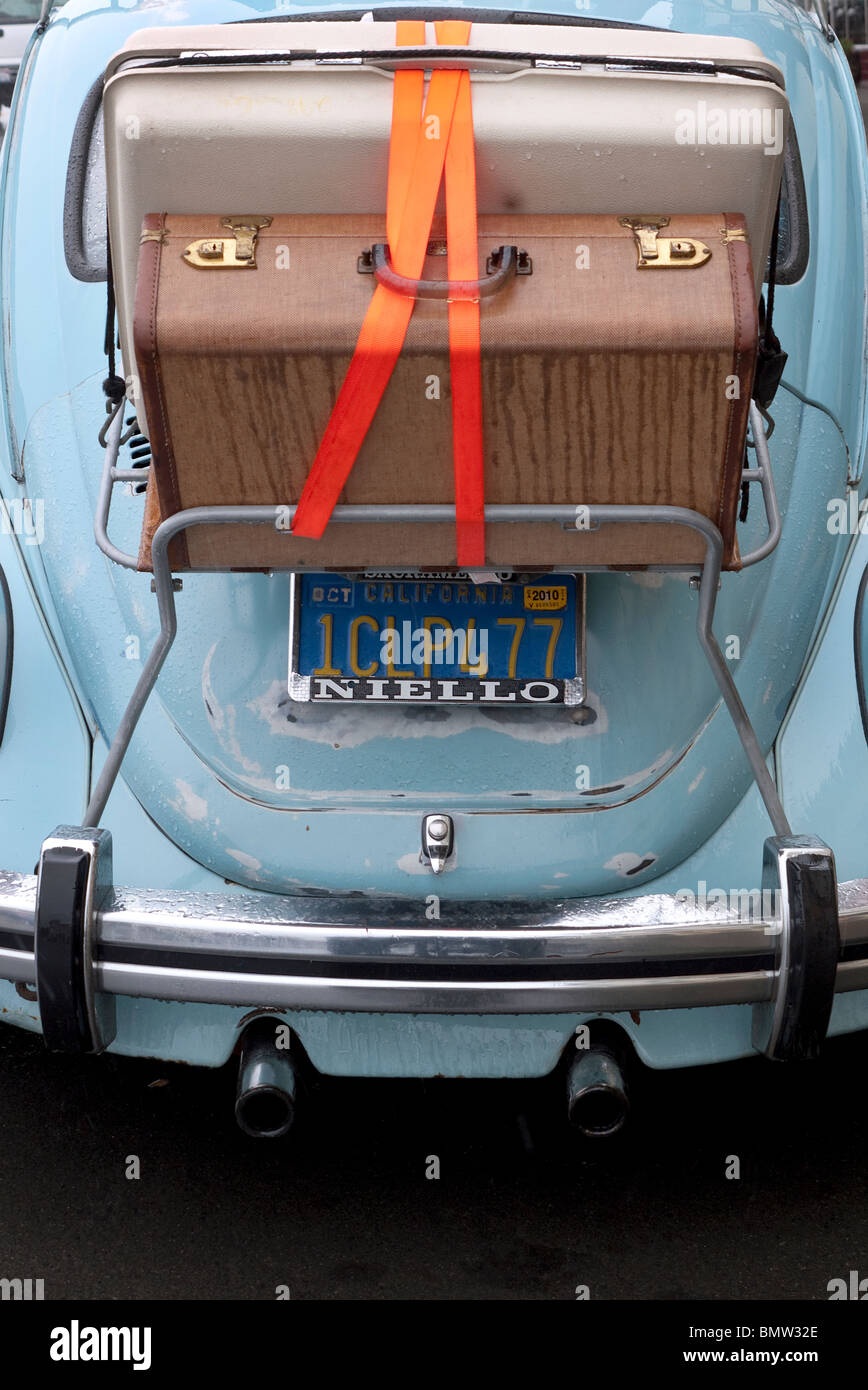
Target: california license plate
column 447, row 638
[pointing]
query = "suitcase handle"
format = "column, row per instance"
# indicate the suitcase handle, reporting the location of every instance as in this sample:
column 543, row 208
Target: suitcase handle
column 502, row 265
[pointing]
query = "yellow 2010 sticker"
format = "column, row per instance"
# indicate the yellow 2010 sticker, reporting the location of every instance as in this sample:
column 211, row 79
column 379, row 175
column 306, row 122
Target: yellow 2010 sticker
column 549, row 597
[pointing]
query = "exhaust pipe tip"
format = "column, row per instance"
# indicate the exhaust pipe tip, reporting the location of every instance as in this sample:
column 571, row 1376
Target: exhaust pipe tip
column 597, row 1101
column 265, row 1100
column 264, row 1112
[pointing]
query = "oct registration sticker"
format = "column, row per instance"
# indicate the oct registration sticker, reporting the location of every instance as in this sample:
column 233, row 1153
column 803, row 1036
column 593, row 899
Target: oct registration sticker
column 437, row 638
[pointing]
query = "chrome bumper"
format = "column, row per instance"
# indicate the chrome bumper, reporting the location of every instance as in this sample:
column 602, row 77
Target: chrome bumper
column 381, row 955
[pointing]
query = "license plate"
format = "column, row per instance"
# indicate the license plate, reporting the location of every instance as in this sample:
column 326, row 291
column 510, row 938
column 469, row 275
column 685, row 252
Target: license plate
column 449, row 639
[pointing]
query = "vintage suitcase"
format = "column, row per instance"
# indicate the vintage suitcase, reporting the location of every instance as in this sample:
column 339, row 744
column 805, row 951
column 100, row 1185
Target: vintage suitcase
column 605, row 383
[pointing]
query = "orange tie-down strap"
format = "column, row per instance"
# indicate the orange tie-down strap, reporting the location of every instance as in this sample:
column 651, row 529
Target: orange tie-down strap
column 416, row 167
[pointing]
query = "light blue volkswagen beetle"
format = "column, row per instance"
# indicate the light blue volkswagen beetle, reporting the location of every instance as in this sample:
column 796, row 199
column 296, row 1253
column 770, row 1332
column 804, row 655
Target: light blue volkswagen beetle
column 668, row 868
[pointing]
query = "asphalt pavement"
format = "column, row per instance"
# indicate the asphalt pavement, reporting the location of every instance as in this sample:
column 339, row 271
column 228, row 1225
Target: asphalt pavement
column 342, row 1208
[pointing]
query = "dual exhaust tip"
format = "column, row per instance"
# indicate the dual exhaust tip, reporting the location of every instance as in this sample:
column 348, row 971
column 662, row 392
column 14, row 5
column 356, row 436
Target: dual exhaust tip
column 597, row 1102
column 267, row 1084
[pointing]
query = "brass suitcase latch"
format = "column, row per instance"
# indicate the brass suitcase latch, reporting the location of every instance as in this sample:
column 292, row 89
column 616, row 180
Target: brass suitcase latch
column 237, row 252
column 661, row 253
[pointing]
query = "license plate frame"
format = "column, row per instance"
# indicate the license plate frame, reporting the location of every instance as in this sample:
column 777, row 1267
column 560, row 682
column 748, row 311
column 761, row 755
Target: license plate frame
column 517, row 692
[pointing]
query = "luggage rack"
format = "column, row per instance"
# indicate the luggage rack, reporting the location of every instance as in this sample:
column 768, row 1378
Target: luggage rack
column 564, row 515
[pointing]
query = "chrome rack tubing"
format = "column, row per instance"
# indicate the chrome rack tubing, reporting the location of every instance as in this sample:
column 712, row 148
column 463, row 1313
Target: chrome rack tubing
column 165, row 592
column 821, row 10
column 111, row 475
column 708, row 587
column 763, row 475
column 130, row 475
column 610, row 514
